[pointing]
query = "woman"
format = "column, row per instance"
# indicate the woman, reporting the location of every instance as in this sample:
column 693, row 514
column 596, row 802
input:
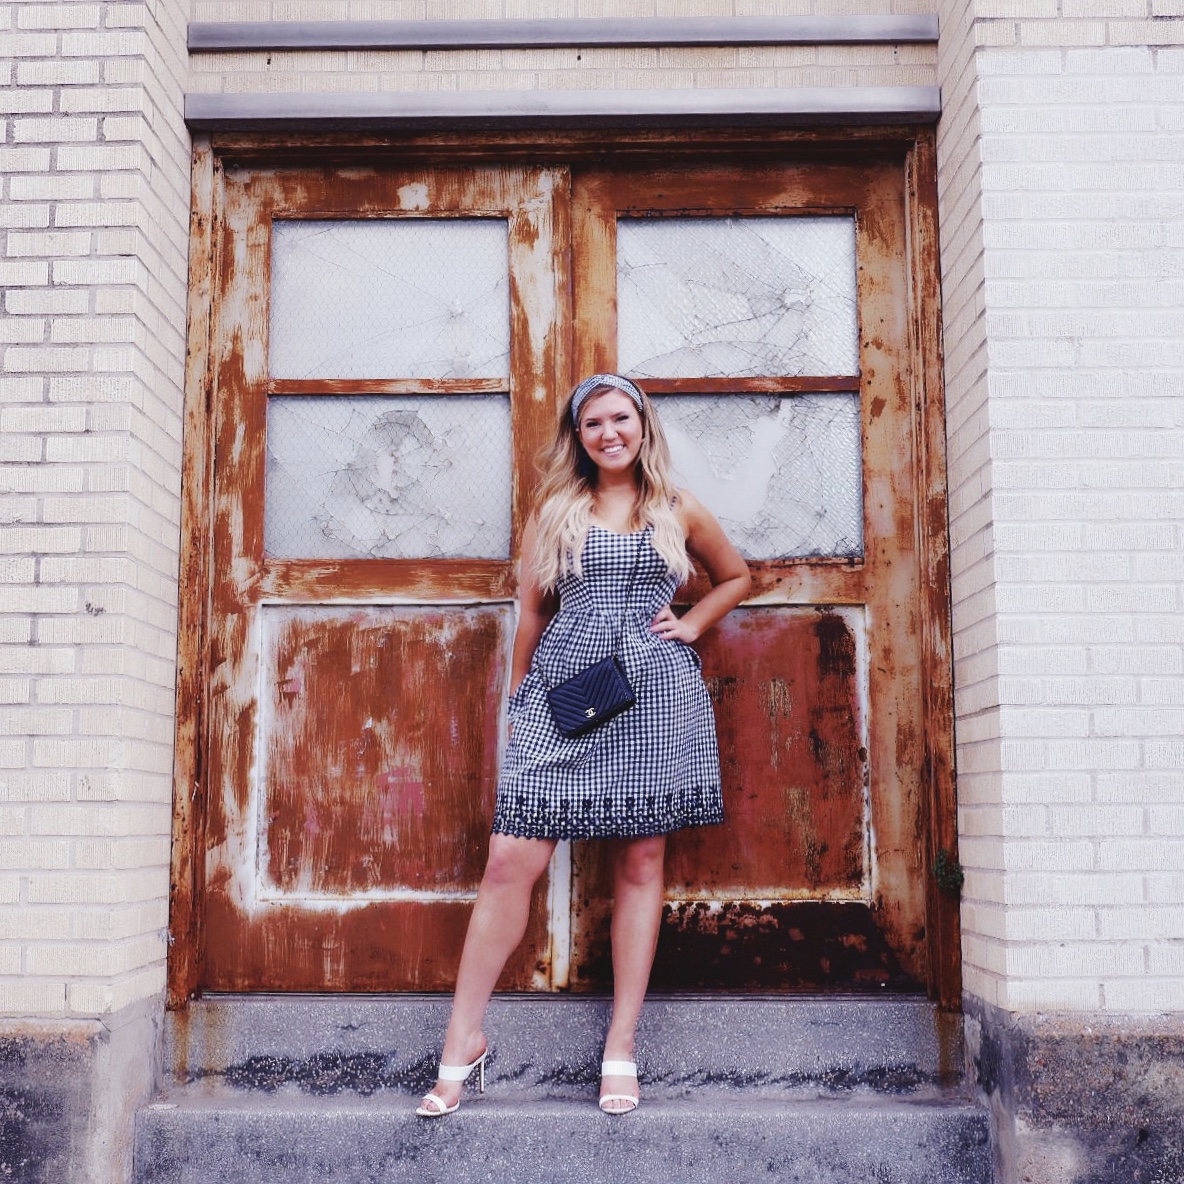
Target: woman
column 611, row 542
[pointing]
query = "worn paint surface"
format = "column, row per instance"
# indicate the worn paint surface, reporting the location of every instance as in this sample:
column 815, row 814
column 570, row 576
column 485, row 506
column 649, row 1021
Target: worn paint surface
column 855, row 841
column 830, row 711
column 786, row 688
column 381, row 744
column 353, row 742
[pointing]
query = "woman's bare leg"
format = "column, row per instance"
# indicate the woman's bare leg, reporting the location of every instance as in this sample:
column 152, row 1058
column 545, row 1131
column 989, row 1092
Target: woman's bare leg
column 495, row 929
column 637, row 914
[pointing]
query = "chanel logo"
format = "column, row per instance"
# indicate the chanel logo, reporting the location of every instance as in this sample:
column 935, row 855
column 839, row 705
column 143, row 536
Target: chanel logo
column 589, row 712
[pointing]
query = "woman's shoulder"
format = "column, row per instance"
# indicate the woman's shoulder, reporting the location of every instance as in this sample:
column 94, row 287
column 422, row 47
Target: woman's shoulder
column 688, row 507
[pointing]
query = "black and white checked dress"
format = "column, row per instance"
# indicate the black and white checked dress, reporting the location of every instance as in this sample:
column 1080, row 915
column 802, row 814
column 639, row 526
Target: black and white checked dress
column 653, row 769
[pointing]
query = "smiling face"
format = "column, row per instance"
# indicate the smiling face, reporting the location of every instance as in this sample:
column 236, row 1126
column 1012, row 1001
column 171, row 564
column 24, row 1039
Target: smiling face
column 611, row 431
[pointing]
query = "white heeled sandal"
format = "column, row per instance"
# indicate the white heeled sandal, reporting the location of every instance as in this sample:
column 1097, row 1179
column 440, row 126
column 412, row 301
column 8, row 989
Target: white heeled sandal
column 619, row 1069
column 433, row 1105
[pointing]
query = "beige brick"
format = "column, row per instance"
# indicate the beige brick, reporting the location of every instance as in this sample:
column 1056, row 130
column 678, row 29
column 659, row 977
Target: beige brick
column 55, row 71
column 12, row 822
column 81, row 888
column 19, row 599
column 98, row 271
column 53, row 187
column 21, row 331
column 1156, row 32
column 121, row 854
column 41, row 358
column 56, row 301
column 18, row 101
column 37, row 659
column 58, row 130
column 57, row 16
column 77, row 753
column 30, row 997
column 27, row 159
column 42, row 854
column 40, row 924
column 25, row 272
column 43, row 418
column 89, row 958
column 30, row 45
column 104, row 44
column 110, row 819
column 14, row 754
column 14, row 690
column 101, row 157
column 40, row 539
column 34, row 787
column 23, row 216
column 86, row 998
column 17, row 571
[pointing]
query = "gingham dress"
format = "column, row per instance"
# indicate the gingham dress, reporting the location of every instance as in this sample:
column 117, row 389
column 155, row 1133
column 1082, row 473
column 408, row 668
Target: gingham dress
column 652, row 769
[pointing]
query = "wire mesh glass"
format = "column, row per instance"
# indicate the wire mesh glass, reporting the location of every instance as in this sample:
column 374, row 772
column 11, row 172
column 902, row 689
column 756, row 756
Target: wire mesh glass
column 782, row 473
column 386, row 476
column 736, row 297
column 390, row 298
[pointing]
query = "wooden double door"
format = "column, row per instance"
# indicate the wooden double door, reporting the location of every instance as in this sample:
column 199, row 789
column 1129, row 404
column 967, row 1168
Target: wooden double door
column 384, row 351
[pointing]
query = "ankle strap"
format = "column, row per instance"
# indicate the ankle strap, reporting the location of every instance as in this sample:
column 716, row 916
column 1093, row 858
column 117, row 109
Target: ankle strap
column 618, row 1069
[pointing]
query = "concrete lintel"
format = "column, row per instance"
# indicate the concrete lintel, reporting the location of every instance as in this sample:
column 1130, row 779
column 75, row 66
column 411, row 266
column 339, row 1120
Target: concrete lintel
column 553, row 33
column 787, row 106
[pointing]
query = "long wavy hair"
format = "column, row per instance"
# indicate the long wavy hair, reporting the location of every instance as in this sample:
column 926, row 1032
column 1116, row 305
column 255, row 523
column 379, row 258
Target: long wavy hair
column 568, row 487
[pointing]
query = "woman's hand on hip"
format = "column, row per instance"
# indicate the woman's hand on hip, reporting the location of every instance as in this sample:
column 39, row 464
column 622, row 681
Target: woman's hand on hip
column 670, row 627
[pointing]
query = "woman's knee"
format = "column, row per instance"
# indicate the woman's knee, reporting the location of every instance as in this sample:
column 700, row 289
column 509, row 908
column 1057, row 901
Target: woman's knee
column 640, row 861
column 516, row 861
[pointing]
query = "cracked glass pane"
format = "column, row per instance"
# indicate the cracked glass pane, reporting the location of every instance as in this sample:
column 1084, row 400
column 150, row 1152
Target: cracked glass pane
column 736, row 297
column 388, row 477
column 390, row 298
column 782, row 473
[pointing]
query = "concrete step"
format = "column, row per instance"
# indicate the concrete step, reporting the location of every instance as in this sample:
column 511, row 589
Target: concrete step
column 298, row 1090
column 394, row 1041
column 216, row 1133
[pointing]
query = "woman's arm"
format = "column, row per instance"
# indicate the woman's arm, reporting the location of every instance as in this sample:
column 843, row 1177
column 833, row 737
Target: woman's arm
column 535, row 609
column 730, row 582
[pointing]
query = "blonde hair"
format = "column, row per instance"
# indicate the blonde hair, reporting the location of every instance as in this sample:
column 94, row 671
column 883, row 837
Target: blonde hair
column 568, row 488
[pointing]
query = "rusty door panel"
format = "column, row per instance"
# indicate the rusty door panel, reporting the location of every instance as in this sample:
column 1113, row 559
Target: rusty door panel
column 381, row 747
column 352, row 744
column 831, row 857
column 788, row 697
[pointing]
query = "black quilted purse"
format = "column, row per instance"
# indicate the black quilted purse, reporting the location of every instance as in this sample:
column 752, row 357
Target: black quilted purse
column 599, row 692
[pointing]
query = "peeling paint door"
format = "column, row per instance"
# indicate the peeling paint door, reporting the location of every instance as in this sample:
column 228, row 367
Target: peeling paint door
column 385, row 349
column 766, row 309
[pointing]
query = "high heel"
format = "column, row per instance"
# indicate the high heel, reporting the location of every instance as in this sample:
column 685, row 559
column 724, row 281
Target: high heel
column 619, row 1069
column 438, row 1107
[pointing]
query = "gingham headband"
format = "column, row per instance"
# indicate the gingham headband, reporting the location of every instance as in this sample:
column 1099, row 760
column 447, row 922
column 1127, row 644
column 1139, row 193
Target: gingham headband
column 581, row 393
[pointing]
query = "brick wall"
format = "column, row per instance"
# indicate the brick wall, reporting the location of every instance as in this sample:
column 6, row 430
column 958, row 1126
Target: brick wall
column 1065, row 362
column 93, row 236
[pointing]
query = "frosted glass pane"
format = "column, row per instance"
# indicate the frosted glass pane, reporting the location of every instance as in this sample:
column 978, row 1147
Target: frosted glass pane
column 390, row 298
column 379, row 476
column 782, row 473
column 736, row 297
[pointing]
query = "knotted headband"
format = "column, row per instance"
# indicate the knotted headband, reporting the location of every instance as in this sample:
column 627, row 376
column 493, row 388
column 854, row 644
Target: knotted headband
column 581, row 393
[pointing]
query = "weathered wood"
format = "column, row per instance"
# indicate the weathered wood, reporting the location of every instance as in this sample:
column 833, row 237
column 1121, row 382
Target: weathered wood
column 190, row 803
column 387, row 386
column 943, row 927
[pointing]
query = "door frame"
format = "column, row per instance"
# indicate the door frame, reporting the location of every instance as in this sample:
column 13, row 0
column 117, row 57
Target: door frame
column 910, row 148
